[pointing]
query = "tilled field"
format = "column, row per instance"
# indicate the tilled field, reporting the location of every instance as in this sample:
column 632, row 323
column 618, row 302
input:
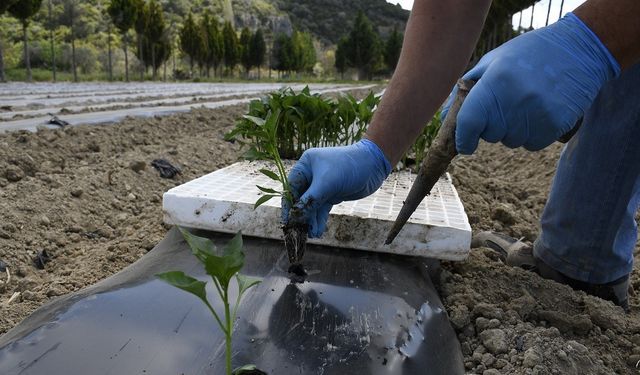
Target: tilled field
column 88, row 196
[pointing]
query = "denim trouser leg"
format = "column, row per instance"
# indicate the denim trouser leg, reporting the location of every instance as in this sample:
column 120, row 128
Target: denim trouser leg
column 588, row 225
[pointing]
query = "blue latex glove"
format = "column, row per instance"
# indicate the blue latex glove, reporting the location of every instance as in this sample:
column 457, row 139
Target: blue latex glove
column 534, row 88
column 327, row 176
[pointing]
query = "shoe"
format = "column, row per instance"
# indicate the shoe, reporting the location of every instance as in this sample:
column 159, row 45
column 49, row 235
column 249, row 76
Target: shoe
column 516, row 253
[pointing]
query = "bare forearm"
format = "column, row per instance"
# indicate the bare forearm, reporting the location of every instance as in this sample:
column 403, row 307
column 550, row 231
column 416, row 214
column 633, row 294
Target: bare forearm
column 617, row 25
column 438, row 43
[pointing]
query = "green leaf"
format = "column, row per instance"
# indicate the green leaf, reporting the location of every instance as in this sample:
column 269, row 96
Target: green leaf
column 201, row 247
column 245, row 369
column 272, row 175
column 185, row 282
column 268, row 190
column 253, row 154
column 224, row 267
column 246, row 282
column 234, row 246
column 263, row 199
column 256, row 120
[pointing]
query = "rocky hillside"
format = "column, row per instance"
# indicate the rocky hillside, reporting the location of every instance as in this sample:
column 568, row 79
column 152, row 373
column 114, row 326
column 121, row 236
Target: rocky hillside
column 328, row 20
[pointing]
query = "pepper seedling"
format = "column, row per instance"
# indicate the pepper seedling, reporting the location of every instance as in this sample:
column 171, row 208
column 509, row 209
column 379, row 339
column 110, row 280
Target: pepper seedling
column 222, row 268
column 264, row 132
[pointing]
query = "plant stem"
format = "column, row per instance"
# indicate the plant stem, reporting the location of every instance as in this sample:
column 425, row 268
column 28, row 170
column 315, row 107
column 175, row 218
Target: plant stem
column 228, row 332
column 215, row 315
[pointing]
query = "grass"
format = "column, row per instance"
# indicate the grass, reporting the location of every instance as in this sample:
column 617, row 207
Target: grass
column 45, row 75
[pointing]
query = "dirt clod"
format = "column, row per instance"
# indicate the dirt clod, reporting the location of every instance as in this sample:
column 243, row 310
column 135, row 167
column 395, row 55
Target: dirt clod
column 495, row 340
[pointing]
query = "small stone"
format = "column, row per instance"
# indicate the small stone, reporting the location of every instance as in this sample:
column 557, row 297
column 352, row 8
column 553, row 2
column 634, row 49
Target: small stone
column 56, row 291
column 504, row 214
column 562, row 354
column 459, row 316
column 576, row 346
column 531, row 358
column 488, row 359
column 138, row 166
column 495, row 340
column 13, row 173
column 501, row 363
column 77, row 193
column 488, row 311
column 482, row 324
column 44, row 220
column 491, row 371
column 131, row 197
column 4, row 234
column 28, row 295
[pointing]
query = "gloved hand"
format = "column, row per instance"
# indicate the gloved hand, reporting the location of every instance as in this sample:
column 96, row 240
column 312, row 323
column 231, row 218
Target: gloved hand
column 327, row 176
column 534, row 88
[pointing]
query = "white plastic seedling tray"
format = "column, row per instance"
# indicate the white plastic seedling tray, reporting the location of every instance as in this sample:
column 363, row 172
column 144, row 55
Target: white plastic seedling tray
column 223, row 201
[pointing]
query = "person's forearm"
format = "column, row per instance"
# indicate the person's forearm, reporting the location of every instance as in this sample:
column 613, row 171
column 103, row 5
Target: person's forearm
column 438, row 43
column 617, row 25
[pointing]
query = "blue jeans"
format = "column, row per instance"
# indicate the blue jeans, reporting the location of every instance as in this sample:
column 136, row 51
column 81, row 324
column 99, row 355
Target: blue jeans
column 588, row 227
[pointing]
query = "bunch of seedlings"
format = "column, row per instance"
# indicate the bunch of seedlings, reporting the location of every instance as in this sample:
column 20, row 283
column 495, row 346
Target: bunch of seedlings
column 222, row 267
column 306, row 120
column 284, row 124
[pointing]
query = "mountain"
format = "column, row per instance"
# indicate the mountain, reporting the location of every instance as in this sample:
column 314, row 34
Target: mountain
column 327, row 20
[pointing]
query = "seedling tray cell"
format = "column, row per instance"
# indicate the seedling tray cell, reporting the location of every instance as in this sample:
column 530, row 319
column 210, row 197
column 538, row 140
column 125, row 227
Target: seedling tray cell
column 223, row 201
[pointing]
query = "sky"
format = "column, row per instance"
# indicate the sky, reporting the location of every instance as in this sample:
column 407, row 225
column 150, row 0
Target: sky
column 539, row 15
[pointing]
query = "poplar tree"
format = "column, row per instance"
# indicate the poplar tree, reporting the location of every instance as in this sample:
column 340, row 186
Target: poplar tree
column 341, row 63
column 190, row 40
column 155, row 32
column 230, row 40
column 140, row 26
column 245, row 50
column 363, row 47
column 213, row 42
column 258, row 50
column 4, row 5
column 23, row 10
column 123, row 14
column 392, row 49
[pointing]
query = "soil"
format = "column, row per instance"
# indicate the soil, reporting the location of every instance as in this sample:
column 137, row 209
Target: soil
column 512, row 321
column 88, row 196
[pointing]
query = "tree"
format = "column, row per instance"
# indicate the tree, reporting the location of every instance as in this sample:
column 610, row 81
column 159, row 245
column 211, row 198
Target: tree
column 245, row 50
column 190, row 39
column 282, row 53
column 213, row 48
column 304, row 53
column 140, row 26
column 155, row 31
column 123, row 13
column 73, row 17
column 363, row 47
column 230, row 40
column 392, row 49
column 258, row 50
column 23, row 10
column 4, row 5
column 51, row 26
column 341, row 56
